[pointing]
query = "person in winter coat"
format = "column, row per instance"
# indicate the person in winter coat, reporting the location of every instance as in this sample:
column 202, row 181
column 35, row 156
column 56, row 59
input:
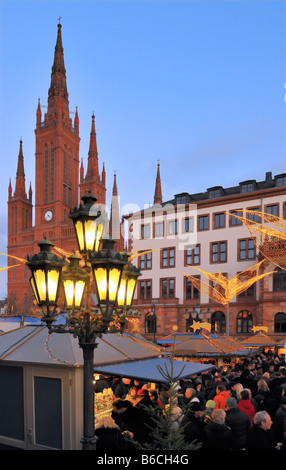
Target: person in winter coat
column 280, row 421
column 218, row 434
column 259, row 436
column 109, row 436
column 193, row 424
column 246, row 406
column 238, row 422
column 221, row 396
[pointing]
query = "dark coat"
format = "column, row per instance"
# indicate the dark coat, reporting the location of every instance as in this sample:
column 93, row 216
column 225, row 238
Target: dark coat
column 278, row 426
column 239, row 424
column 109, row 439
column 259, row 439
column 193, row 428
column 129, row 420
column 218, row 436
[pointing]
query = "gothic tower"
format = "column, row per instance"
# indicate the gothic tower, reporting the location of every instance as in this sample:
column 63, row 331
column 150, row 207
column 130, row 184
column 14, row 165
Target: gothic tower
column 57, row 185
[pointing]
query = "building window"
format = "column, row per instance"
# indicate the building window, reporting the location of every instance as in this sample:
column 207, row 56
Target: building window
column 280, row 322
column 191, row 292
column 52, row 169
column 150, row 323
column 244, row 322
column 218, row 322
column 219, row 220
column 279, row 280
column 167, row 288
column 250, row 292
column 214, row 193
column 168, row 258
column 192, row 255
column 146, row 261
column 234, row 222
column 46, row 168
column 273, row 209
column 145, row 289
column 246, row 249
column 188, row 225
column 173, row 227
column 218, row 252
column 159, row 229
column 145, row 231
column 203, row 222
column 254, row 217
column 247, row 187
column 281, row 180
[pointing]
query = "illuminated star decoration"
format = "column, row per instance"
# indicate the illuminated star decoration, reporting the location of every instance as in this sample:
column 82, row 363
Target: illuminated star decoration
column 224, row 289
column 269, row 239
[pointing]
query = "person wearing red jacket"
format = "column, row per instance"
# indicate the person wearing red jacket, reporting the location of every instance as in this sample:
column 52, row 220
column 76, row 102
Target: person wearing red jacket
column 221, row 396
column 246, row 406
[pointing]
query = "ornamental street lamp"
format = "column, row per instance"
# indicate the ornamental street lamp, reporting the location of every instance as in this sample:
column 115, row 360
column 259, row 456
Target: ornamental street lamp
column 114, row 279
column 194, row 317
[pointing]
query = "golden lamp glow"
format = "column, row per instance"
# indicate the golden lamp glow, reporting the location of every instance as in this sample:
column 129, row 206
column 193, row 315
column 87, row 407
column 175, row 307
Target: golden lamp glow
column 45, row 270
column 74, row 280
column 107, row 281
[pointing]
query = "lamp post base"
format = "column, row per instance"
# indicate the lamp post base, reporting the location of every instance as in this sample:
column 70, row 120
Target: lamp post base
column 88, row 443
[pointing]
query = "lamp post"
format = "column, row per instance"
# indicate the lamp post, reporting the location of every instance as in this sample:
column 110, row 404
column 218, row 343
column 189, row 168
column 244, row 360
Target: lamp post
column 195, row 316
column 114, row 279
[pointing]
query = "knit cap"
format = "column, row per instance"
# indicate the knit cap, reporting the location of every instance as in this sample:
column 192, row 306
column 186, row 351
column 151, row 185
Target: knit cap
column 210, row 404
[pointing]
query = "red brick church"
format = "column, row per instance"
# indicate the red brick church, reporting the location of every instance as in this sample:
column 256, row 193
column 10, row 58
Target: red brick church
column 60, row 181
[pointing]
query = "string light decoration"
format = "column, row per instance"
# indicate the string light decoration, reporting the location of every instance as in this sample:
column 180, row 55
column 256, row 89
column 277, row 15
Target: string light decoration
column 224, row 289
column 269, row 239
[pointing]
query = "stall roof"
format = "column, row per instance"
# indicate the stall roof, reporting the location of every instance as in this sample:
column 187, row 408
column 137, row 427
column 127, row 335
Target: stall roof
column 259, row 339
column 148, row 369
column 202, row 345
column 34, row 344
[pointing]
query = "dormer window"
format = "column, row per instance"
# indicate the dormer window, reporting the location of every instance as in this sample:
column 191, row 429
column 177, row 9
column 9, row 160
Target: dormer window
column 247, row 186
column 215, row 192
column 280, row 180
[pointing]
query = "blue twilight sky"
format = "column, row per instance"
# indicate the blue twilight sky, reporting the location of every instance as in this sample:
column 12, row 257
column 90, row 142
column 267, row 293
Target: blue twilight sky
column 196, row 84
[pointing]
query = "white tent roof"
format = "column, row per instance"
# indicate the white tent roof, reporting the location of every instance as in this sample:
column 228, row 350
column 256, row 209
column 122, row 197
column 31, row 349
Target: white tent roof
column 34, row 345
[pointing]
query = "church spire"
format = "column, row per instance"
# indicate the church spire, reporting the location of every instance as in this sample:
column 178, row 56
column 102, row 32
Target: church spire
column 58, row 104
column 20, row 191
column 92, row 165
column 158, row 190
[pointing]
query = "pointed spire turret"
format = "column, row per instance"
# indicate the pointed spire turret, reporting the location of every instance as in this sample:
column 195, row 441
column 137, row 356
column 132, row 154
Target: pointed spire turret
column 81, row 171
column 20, row 190
column 39, row 114
column 103, row 174
column 58, row 104
column 10, row 190
column 158, row 190
column 114, row 190
column 92, row 166
column 76, row 122
column 114, row 224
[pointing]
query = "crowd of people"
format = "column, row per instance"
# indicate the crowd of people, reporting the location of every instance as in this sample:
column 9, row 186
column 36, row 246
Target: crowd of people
column 240, row 406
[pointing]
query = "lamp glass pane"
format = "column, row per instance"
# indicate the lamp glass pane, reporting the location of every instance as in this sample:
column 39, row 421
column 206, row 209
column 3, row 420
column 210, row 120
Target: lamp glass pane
column 90, row 234
column 68, row 287
column 114, row 277
column 79, row 288
column 53, row 281
column 79, row 232
column 34, row 289
column 121, row 292
column 98, row 236
column 130, row 291
column 40, row 280
column 100, row 275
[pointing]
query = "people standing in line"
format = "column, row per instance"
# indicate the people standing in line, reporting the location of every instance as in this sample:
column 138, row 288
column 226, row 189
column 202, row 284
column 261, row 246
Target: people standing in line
column 259, row 437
